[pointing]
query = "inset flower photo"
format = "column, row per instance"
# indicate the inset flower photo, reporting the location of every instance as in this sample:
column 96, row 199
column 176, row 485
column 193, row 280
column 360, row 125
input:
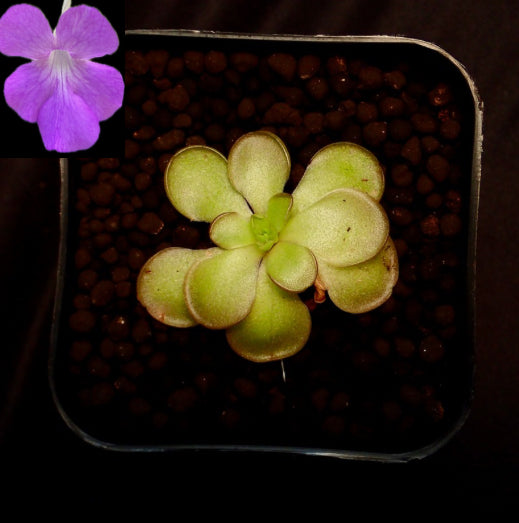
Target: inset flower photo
column 61, row 81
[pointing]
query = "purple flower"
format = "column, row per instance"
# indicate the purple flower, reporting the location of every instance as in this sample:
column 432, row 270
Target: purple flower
column 61, row 89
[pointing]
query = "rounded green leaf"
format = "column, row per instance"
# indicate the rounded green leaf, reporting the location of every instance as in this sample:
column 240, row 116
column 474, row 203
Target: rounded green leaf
column 259, row 166
column 197, row 185
column 340, row 165
column 278, row 209
column 231, row 230
column 278, row 325
column 160, row 285
column 219, row 291
column 345, row 227
column 363, row 287
column 291, row 266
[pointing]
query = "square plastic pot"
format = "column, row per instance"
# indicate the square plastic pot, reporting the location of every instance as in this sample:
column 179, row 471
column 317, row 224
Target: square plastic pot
column 391, row 385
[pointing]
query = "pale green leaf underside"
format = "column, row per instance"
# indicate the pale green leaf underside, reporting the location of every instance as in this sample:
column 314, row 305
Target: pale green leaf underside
column 259, row 166
column 339, row 165
column 219, row 291
column 197, row 184
column 344, row 228
column 160, row 285
column 291, row 266
column 231, row 230
column 363, row 287
column 277, row 326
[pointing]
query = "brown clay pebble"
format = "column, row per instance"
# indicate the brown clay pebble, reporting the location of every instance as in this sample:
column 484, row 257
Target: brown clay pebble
column 102, row 393
column 366, row 112
column 431, row 349
column 391, row 106
column 430, row 225
column 441, row 95
column 438, row 167
column 308, row 66
column 450, row 224
column 150, row 223
column 412, row 150
column 136, row 258
column 246, row 109
column 317, row 87
column 450, row 129
column 395, row 80
column 243, row 61
column 245, row 388
column 102, row 293
column 139, row 406
column 118, row 328
column 215, row 62
column 283, row 64
column 375, row 133
column 183, row 399
column 370, row 78
column 444, row 315
column 102, row 194
column 80, row 349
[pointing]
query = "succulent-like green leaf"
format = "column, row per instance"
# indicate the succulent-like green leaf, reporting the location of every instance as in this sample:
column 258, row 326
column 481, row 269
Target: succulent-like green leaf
column 160, row 284
column 278, row 325
column 340, row 165
column 264, row 233
column 291, row 266
column 197, row 184
column 219, row 291
column 278, row 209
column 363, row 287
column 259, row 166
column 345, row 227
column 231, row 230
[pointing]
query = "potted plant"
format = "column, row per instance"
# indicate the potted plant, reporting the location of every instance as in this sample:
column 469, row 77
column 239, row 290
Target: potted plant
column 219, row 218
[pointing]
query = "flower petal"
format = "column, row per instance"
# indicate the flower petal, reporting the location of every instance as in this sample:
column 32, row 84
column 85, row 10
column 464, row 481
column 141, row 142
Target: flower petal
column 291, row 266
column 220, row 290
column 100, row 86
column 66, row 123
column 231, row 230
column 28, row 88
column 25, row 31
column 197, row 184
column 160, row 284
column 340, row 165
column 259, row 166
column 363, row 287
column 278, row 325
column 343, row 228
column 85, row 33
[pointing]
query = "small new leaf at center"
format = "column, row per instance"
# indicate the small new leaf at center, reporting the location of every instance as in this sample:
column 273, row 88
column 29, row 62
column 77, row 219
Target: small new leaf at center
column 264, row 232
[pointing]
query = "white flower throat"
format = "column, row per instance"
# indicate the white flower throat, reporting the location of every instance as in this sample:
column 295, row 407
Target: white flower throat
column 61, row 65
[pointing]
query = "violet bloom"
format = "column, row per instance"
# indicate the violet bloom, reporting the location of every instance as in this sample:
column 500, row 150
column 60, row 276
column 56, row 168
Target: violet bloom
column 61, row 89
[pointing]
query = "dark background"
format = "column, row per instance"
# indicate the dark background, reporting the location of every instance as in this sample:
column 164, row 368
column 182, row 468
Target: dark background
column 477, row 470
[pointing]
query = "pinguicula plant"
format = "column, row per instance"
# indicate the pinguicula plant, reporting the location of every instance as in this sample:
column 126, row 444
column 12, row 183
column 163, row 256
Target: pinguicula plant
column 269, row 245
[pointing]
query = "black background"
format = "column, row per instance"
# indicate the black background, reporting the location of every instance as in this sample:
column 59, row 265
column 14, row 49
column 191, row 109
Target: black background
column 477, row 471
